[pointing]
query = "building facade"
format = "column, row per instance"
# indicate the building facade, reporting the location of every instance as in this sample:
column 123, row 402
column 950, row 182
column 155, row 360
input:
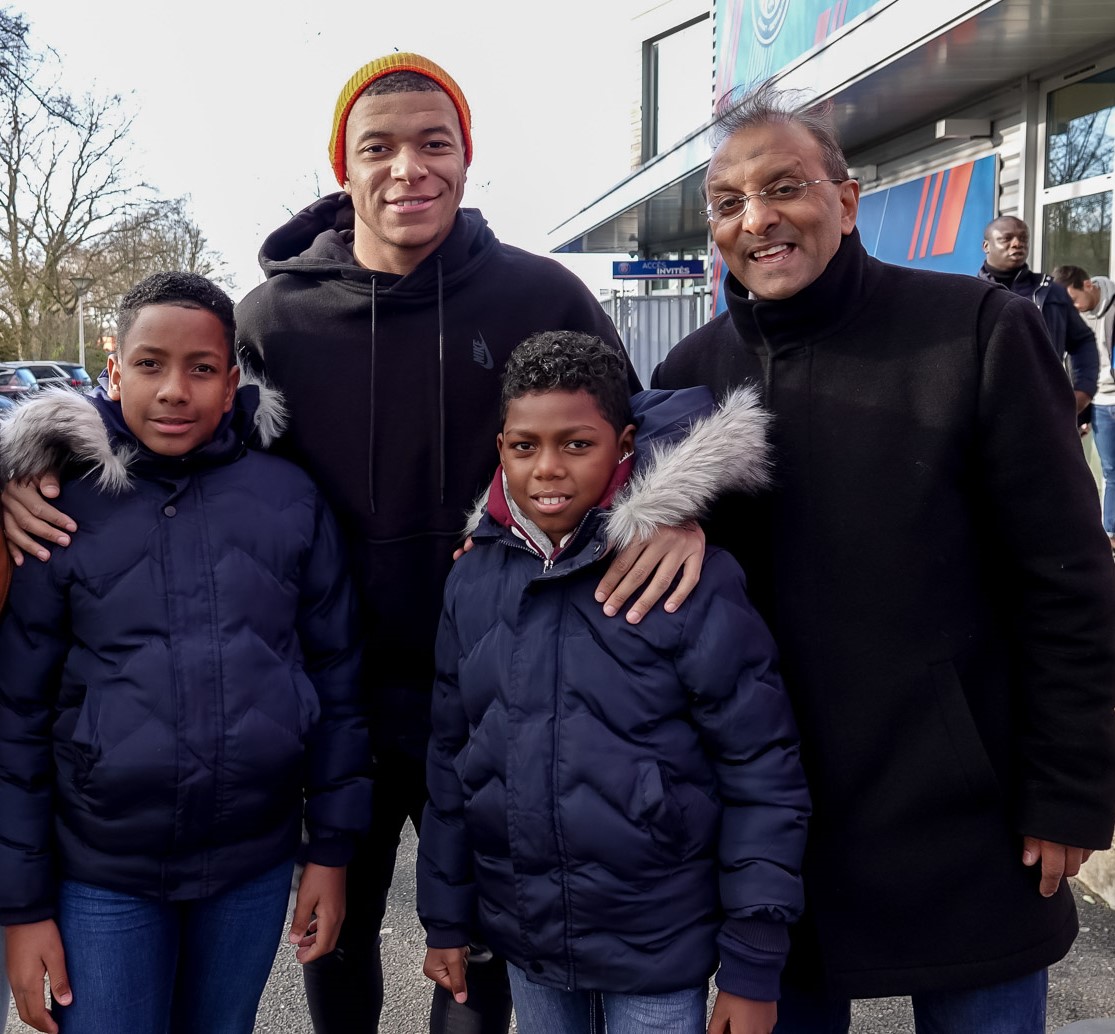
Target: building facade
column 950, row 113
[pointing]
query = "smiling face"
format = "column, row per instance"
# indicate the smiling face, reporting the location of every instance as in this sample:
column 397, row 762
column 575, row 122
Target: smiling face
column 775, row 251
column 559, row 453
column 173, row 377
column 405, row 163
column 1006, row 243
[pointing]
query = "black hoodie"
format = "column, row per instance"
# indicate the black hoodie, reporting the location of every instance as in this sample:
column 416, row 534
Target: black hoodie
column 393, row 389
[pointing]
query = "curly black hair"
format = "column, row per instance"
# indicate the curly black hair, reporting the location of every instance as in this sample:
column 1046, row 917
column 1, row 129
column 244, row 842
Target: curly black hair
column 568, row 360
column 187, row 290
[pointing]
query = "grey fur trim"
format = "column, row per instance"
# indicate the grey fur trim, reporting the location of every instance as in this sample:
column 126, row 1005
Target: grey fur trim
column 270, row 420
column 477, row 511
column 726, row 451
column 57, row 425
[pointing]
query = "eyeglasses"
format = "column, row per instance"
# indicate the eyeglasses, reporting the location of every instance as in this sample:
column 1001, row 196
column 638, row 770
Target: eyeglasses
column 784, row 192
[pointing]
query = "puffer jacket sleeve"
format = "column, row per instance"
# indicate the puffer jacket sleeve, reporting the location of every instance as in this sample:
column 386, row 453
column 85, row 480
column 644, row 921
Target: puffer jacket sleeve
column 727, row 661
column 338, row 754
column 34, row 640
column 446, row 887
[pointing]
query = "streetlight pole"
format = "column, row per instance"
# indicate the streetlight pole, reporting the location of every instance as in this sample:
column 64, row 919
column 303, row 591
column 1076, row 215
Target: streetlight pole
column 81, row 285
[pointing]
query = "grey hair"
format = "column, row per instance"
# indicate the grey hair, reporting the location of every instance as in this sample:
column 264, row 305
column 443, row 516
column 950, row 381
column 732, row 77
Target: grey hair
column 766, row 104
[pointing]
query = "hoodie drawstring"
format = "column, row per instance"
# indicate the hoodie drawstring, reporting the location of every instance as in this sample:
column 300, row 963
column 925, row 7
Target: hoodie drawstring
column 372, row 404
column 441, row 382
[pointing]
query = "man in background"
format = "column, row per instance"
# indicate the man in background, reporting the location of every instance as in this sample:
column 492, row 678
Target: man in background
column 1006, row 243
column 1094, row 298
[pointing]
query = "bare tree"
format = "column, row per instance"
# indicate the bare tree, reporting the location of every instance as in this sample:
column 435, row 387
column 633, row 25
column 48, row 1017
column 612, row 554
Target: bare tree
column 67, row 204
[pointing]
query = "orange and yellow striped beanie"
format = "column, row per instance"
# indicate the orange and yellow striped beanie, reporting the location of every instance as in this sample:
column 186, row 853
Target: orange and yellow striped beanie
column 377, row 69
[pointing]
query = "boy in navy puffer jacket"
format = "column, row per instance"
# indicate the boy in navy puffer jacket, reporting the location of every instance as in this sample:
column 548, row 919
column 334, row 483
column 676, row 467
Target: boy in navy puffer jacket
column 178, row 693
column 617, row 809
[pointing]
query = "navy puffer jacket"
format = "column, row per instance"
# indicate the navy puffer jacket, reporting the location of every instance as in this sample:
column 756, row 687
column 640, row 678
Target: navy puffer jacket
column 176, row 680
column 615, row 806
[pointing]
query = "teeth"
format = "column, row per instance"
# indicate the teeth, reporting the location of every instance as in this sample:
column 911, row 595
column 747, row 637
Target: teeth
column 550, row 500
column 409, row 204
column 770, row 251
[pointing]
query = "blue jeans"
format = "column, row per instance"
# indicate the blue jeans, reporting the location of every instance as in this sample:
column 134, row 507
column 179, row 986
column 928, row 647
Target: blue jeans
column 1014, row 1007
column 138, row 966
column 547, row 1010
column 1103, row 428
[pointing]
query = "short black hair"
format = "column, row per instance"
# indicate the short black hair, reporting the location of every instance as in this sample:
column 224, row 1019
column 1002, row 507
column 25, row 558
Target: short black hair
column 568, row 360
column 403, row 81
column 186, row 290
column 766, row 103
column 1071, row 276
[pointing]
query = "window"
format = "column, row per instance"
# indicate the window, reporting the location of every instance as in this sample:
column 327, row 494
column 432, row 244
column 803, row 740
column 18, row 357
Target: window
column 677, row 85
column 1076, row 203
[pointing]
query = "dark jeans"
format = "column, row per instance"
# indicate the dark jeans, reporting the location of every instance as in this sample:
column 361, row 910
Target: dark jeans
column 345, row 989
column 148, row 967
column 1013, row 1007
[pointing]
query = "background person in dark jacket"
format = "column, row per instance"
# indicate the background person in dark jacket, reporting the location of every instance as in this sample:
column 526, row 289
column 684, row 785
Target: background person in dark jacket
column 385, row 320
column 1006, row 243
column 932, row 566
column 615, row 808
column 174, row 684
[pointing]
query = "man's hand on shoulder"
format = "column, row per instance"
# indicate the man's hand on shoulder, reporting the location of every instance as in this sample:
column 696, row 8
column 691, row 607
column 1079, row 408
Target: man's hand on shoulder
column 29, row 518
column 672, row 549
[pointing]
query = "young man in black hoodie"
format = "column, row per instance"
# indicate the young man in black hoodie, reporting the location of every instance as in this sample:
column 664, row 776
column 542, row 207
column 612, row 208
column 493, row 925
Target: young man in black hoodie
column 386, row 317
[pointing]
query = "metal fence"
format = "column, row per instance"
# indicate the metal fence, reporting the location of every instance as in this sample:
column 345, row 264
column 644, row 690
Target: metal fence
column 650, row 327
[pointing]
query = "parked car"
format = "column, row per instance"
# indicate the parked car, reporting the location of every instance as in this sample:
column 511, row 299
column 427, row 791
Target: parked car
column 16, row 381
column 51, row 372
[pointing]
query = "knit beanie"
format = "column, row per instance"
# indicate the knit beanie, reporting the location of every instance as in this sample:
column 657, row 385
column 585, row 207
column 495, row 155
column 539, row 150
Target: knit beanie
column 377, row 69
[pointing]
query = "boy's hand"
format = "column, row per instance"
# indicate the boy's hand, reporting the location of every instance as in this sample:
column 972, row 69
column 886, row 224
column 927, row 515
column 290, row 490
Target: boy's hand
column 35, row 949
column 741, row 1015
column 27, row 513
column 446, row 967
column 319, row 911
column 672, row 549
column 463, row 548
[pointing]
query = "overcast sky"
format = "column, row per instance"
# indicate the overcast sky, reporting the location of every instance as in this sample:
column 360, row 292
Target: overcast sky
column 234, row 100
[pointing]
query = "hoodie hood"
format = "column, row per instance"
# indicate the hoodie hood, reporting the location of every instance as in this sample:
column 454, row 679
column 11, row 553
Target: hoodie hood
column 60, row 427
column 688, row 452
column 318, row 242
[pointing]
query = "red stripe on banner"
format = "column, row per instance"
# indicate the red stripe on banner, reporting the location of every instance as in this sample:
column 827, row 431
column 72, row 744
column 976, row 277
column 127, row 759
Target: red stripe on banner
column 931, row 214
column 917, row 221
column 822, row 26
column 952, row 209
column 842, row 13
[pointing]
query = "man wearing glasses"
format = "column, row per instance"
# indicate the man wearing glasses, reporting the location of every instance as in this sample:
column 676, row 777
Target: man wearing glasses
column 933, row 566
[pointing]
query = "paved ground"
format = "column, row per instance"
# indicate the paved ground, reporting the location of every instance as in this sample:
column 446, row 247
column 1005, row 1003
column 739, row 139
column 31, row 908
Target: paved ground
column 1081, row 987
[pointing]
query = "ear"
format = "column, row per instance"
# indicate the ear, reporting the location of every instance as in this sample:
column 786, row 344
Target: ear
column 849, row 206
column 499, row 443
column 627, row 440
column 232, row 384
column 986, row 246
column 113, row 377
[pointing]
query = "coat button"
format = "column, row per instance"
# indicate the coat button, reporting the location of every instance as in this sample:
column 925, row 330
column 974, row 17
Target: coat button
column 170, row 511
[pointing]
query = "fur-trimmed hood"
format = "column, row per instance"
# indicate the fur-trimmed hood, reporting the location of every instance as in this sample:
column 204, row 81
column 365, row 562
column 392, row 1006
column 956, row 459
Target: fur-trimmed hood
column 689, row 450
column 59, row 427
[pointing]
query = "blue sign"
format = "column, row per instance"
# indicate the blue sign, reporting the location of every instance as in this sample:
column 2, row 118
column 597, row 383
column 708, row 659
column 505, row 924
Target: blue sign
column 659, row 269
